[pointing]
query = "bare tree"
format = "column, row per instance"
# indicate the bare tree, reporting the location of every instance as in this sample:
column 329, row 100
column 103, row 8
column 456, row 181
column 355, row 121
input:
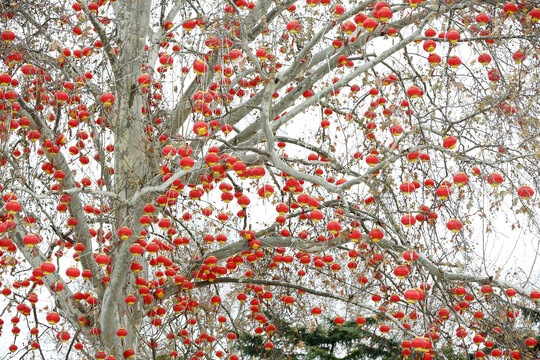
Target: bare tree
column 165, row 161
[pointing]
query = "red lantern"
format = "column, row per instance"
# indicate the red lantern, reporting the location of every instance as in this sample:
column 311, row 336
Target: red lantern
column 293, row 27
column 266, row 191
column 144, row 80
column 376, row 235
column 510, row 9
column 525, row 192
column 125, row 233
column 454, row 225
column 461, row 332
column 454, row 61
column 434, row 59
column 421, row 344
column 200, row 128
column 484, row 59
column 496, row 353
column 73, row 272
column 410, row 256
column 519, row 56
column 535, row 15
column 407, row 188
column 531, row 343
column 13, row 207
column 316, row 216
column 102, row 260
column 30, row 241
column 449, row 142
column 348, row 28
column 53, row 318
column 121, row 333
column 482, row 19
column 413, row 295
column 130, row 300
column 401, row 272
column 495, row 179
column 443, row 192
column 48, row 268
column 370, row 24
column 372, row 160
column 408, row 220
column 333, row 227
column 200, row 67
column 414, row 92
column 429, row 45
column 8, row 36
column 461, row 179
column 107, row 99
column 453, row 36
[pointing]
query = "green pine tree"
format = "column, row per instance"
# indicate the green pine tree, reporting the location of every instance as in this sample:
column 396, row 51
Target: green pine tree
column 327, row 341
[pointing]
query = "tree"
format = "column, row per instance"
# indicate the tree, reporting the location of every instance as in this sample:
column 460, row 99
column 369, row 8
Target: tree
column 325, row 341
column 172, row 171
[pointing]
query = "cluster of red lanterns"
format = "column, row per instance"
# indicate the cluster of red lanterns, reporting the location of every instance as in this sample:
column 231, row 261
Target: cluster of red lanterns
column 149, row 290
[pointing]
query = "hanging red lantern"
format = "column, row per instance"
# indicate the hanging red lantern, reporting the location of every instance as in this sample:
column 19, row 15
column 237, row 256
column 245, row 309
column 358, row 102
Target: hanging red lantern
column 52, row 318
column 370, row 24
column 266, row 191
column 461, row 179
column 414, row 92
column 429, row 45
column 449, row 142
column 316, row 216
column 482, row 18
column 410, row 256
column 376, row 235
column 372, row 160
column 454, row 61
column 333, row 227
column 107, row 99
column 8, row 36
column 535, row 15
column 454, row 225
column 348, row 28
column 121, row 333
column 525, row 192
column 408, row 220
column 200, row 67
column 484, row 59
column 453, row 36
column 510, row 9
column 48, row 268
column 30, row 241
column 125, row 233
column 144, row 80
column 443, row 192
column 102, row 260
column 407, row 188
column 293, row 27
column 413, row 295
column 401, row 272
column 200, row 128
column 434, row 59
column 13, row 207
column 519, row 56
column 73, row 272
column 495, row 179
column 531, row 342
